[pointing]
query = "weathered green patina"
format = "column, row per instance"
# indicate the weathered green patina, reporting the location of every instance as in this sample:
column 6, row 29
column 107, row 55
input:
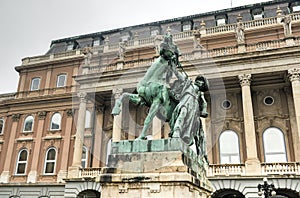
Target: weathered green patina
column 182, row 105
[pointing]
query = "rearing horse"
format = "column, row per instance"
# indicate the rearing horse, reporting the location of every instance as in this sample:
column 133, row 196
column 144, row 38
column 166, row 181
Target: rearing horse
column 153, row 89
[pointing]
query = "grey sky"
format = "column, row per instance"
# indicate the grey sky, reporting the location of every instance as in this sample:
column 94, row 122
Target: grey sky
column 28, row 26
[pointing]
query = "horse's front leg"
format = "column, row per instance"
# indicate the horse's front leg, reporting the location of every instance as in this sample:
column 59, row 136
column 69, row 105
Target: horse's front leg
column 117, row 108
column 152, row 112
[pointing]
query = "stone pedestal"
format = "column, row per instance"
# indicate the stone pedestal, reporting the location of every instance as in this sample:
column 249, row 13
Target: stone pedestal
column 154, row 168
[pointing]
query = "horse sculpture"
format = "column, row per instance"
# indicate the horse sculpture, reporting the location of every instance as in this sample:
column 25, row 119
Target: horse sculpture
column 181, row 106
column 153, row 89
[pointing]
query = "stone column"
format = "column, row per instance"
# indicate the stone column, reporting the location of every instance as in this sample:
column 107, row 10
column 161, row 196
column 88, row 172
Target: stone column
column 77, row 155
column 117, row 125
column 5, row 175
column 32, row 176
column 98, row 130
column 252, row 162
column 294, row 76
column 48, row 80
column 62, row 174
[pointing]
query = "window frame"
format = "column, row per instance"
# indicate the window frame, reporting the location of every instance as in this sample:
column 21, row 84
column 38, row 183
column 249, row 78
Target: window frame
column 64, row 82
column 84, row 160
column 221, row 17
column 24, row 124
column 268, row 154
column 32, row 87
column 257, row 13
column 46, row 161
column 21, row 162
column 51, row 122
column 3, row 125
column 230, row 155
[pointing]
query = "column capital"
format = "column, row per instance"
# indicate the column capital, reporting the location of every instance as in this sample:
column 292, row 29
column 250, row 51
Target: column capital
column 69, row 112
column 294, row 74
column 42, row 115
column 117, row 92
column 16, row 117
column 82, row 96
column 245, row 79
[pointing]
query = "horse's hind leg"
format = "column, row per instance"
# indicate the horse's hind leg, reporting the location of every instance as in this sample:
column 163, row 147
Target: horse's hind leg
column 152, row 112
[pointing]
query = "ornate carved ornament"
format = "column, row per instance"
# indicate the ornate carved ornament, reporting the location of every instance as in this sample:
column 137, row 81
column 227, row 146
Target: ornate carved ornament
column 245, row 79
column 294, row 74
column 42, row 115
column 16, row 117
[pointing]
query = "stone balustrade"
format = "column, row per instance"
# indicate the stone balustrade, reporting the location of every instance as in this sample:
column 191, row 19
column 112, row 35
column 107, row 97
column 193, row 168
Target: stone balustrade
column 107, row 47
column 292, row 168
column 90, row 172
column 225, row 170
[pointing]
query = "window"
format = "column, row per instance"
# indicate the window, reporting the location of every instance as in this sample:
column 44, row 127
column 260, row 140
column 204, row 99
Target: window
column 257, row 13
column 294, row 7
column 35, row 84
column 186, row 27
column 28, row 124
column 50, row 161
column 96, row 42
column 154, row 32
column 226, row 104
column 55, row 122
column 1, row 126
column 229, row 148
column 125, row 36
column 221, row 20
column 269, row 100
column 22, row 162
column 274, row 145
column 84, row 157
column 61, row 80
column 87, row 119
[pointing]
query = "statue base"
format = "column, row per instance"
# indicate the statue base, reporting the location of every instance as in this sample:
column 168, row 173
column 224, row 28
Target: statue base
column 154, row 168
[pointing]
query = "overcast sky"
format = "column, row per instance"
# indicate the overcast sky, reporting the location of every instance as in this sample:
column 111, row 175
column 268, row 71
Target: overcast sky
column 29, row 26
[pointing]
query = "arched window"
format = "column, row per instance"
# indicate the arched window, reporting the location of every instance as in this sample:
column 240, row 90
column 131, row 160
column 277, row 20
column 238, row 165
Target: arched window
column 50, row 161
column 35, row 84
column 108, row 150
column 55, row 121
column 274, row 145
column 1, row 126
column 61, row 80
column 87, row 119
column 22, row 162
column 28, row 124
column 229, row 148
column 84, row 157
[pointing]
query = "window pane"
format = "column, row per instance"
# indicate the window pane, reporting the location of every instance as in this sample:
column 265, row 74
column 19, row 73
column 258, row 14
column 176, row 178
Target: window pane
column 186, row 27
column 1, row 126
column 28, row 123
column 51, row 154
column 50, row 167
column 21, row 168
column 229, row 147
column 56, row 121
column 274, row 145
column 88, row 119
column 61, row 80
column 35, row 84
column 221, row 22
column 23, row 156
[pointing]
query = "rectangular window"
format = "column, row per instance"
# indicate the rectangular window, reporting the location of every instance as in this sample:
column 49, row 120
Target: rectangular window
column 154, row 32
column 96, row 42
column 221, row 22
column 35, row 84
column 186, row 27
column 61, row 80
column 257, row 13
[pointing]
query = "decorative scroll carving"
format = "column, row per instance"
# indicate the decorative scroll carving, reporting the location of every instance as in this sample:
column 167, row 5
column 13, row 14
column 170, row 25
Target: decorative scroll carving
column 42, row 115
column 16, row 117
column 245, row 79
column 294, row 74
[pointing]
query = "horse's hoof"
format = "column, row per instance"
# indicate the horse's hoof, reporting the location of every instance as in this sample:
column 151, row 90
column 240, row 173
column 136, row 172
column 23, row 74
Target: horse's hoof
column 116, row 111
column 141, row 138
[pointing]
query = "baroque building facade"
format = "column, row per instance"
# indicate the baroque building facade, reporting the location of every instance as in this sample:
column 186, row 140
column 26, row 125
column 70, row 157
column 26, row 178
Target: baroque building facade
column 56, row 130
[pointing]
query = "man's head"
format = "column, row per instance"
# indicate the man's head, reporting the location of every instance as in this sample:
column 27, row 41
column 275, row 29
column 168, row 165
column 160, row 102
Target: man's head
column 202, row 83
